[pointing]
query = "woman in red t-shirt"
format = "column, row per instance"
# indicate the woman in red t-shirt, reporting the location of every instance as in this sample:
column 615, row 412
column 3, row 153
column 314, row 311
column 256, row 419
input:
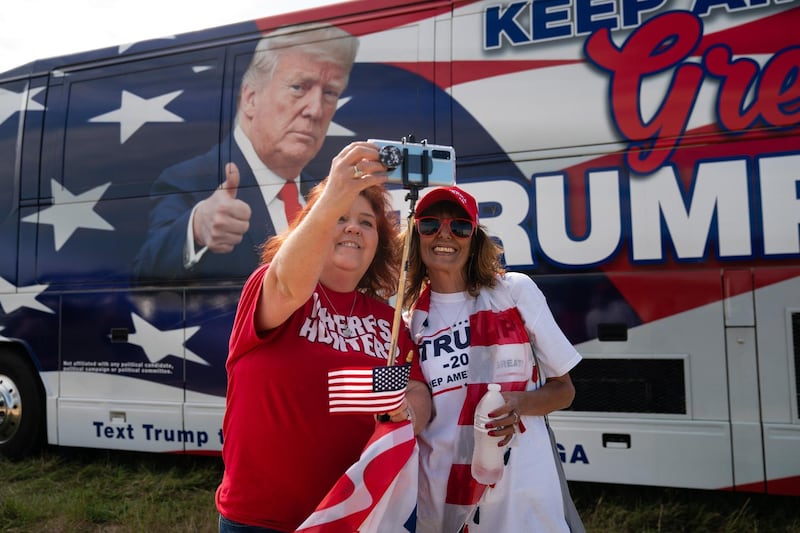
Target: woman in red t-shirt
column 316, row 303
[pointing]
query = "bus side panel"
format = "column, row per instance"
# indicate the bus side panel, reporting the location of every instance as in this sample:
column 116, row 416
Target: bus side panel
column 110, row 130
column 22, row 345
column 645, row 392
column 778, row 312
column 211, row 312
column 644, row 450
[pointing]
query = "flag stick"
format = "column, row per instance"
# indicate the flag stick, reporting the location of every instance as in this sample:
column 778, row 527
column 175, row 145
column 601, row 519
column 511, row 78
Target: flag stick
column 412, row 195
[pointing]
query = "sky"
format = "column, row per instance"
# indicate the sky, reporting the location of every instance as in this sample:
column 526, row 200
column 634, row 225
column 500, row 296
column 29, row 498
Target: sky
column 37, row 29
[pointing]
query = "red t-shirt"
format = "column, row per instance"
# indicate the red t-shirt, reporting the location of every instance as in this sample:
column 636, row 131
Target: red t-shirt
column 282, row 450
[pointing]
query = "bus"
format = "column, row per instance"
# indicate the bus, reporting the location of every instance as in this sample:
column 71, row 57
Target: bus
column 640, row 159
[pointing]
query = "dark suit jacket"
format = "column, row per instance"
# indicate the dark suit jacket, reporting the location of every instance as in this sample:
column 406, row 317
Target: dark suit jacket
column 173, row 195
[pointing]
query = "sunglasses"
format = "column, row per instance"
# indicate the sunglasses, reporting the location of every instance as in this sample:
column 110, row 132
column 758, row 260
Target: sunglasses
column 461, row 228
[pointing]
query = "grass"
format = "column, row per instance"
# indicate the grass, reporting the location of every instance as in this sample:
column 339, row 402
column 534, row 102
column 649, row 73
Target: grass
column 84, row 490
column 75, row 490
column 625, row 508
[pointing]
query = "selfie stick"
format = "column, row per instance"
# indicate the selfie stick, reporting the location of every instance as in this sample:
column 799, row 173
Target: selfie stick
column 413, row 195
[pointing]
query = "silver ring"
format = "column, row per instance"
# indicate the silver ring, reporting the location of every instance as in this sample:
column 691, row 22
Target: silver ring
column 408, row 413
column 357, row 173
column 516, row 418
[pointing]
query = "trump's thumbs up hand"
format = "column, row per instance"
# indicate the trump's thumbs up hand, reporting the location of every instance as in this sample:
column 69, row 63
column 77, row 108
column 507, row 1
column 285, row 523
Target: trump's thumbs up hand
column 221, row 220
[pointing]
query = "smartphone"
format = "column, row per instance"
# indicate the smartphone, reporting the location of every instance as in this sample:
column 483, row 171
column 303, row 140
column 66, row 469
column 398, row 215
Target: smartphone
column 417, row 165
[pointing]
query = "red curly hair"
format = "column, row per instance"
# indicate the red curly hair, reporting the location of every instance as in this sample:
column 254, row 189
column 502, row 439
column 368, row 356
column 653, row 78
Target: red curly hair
column 381, row 278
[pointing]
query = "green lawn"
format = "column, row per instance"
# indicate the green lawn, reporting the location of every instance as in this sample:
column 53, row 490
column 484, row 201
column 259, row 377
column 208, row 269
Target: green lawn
column 76, row 490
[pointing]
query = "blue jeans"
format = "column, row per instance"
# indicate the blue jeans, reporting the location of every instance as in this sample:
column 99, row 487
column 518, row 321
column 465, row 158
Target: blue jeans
column 229, row 526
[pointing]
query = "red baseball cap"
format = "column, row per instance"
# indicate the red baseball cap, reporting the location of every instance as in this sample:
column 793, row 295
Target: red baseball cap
column 449, row 194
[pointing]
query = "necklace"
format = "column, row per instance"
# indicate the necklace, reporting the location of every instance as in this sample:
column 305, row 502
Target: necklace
column 453, row 319
column 346, row 332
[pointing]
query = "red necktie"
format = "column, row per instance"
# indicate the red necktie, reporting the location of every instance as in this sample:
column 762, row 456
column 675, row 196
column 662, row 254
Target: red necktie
column 291, row 205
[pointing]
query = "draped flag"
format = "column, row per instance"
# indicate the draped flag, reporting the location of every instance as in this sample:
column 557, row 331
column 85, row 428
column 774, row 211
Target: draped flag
column 378, row 494
column 500, row 353
column 367, row 390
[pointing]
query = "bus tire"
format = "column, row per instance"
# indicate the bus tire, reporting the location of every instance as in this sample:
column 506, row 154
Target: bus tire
column 21, row 407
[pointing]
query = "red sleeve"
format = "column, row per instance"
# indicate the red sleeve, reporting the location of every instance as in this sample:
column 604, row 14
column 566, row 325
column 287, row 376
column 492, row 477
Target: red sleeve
column 243, row 334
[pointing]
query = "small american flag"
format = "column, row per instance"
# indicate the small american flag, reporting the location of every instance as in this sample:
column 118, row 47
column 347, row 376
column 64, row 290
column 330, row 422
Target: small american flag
column 367, row 390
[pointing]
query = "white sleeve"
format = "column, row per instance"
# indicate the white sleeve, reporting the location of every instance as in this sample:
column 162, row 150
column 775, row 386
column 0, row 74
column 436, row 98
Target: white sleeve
column 556, row 355
column 191, row 256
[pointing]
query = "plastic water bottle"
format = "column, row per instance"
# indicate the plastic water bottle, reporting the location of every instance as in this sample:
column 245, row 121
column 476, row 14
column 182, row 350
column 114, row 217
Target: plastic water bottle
column 487, row 456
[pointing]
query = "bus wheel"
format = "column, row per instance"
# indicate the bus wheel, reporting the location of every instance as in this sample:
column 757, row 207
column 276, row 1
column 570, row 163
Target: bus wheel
column 20, row 429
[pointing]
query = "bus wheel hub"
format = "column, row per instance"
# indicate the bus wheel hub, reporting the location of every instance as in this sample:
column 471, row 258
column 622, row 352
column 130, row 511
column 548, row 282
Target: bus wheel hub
column 10, row 408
